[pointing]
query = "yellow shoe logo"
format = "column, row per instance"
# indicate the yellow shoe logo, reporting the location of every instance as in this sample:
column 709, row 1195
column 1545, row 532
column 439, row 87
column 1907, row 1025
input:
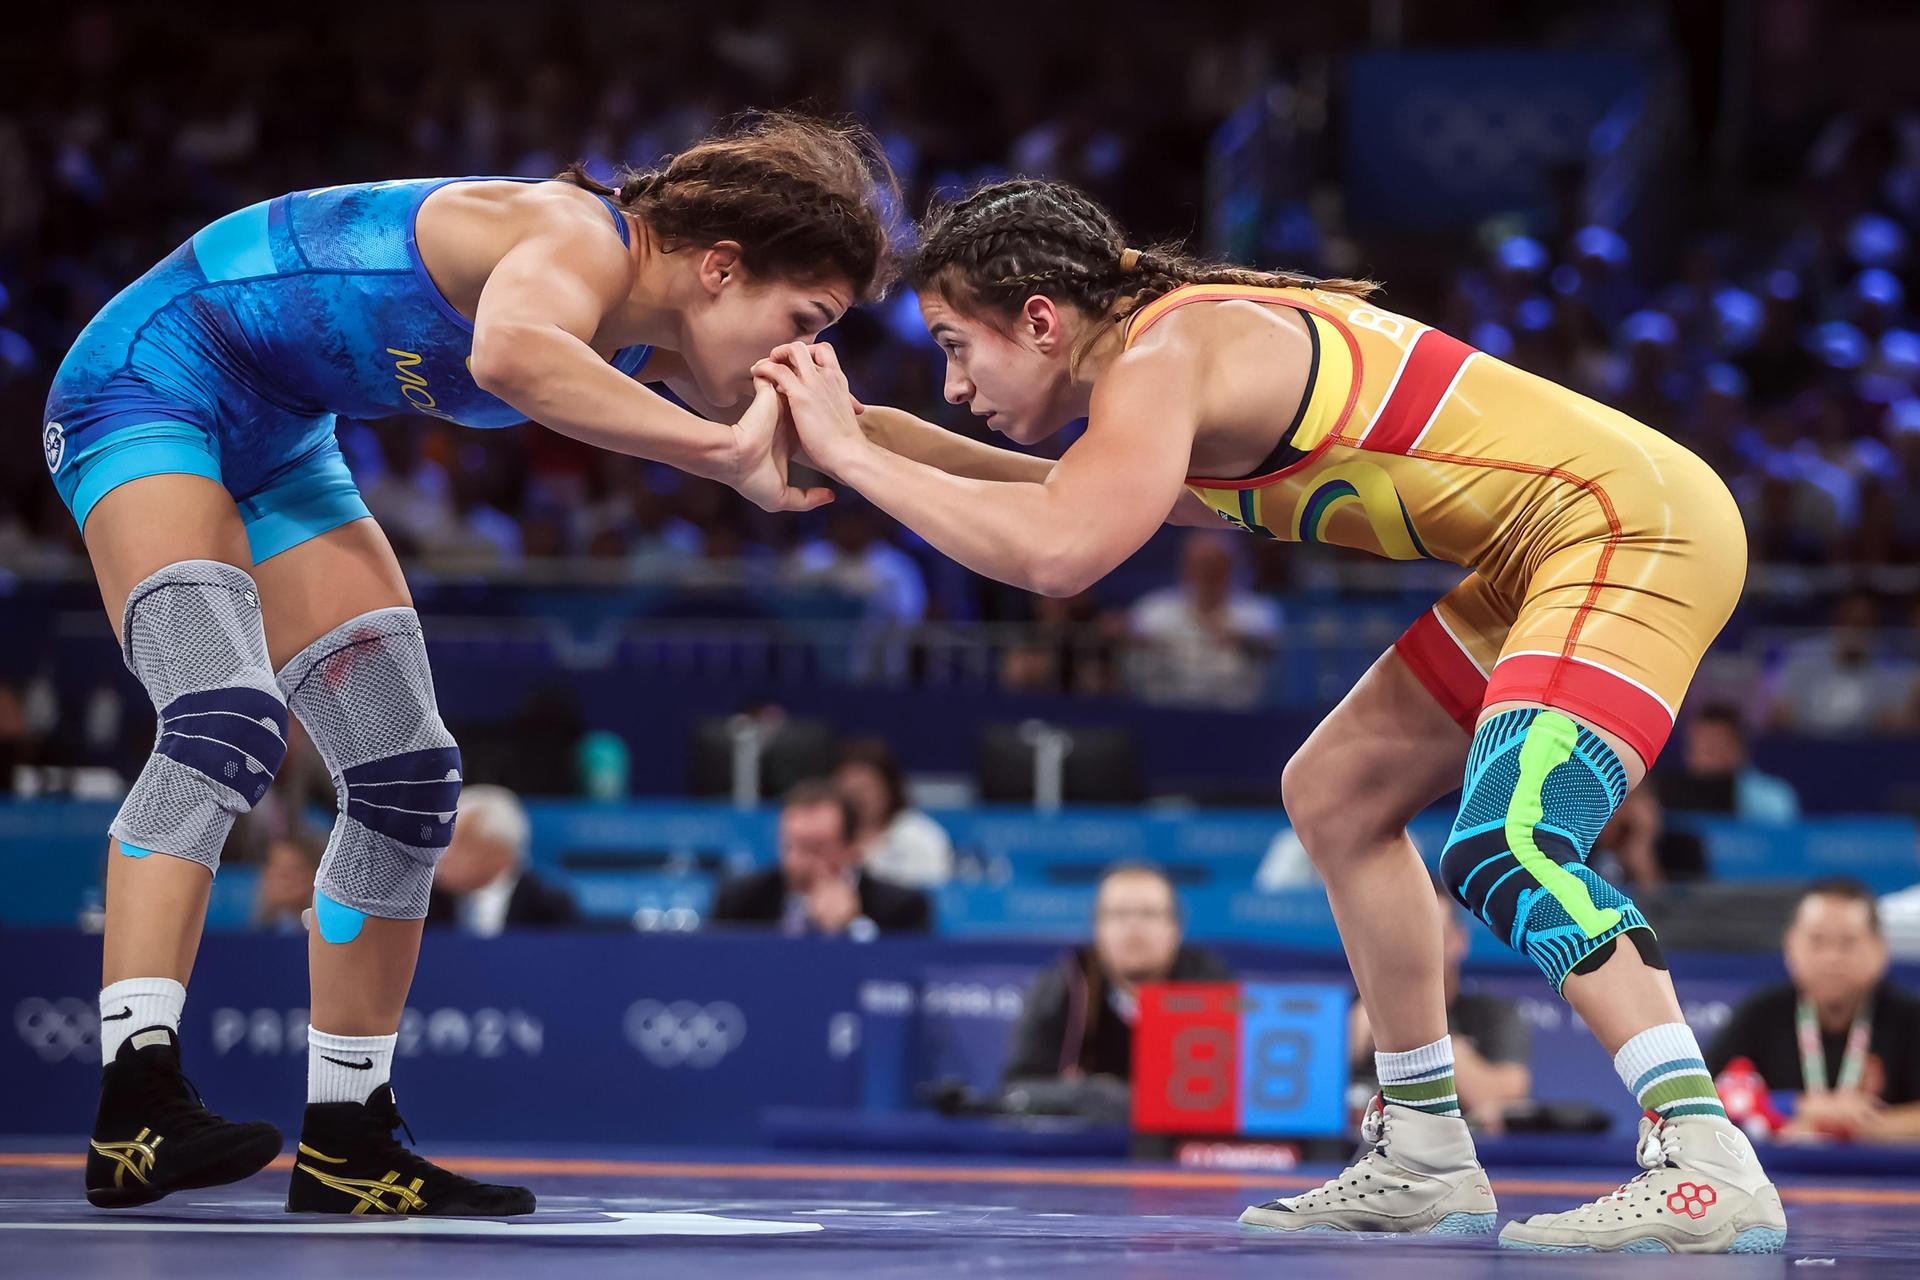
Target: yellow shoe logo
column 132, row 1157
column 381, row 1195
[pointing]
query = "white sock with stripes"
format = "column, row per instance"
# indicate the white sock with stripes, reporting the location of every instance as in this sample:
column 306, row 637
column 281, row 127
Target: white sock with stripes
column 1663, row 1069
column 1420, row 1078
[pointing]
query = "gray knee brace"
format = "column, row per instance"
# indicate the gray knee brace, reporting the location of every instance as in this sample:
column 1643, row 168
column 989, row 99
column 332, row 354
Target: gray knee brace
column 192, row 633
column 365, row 695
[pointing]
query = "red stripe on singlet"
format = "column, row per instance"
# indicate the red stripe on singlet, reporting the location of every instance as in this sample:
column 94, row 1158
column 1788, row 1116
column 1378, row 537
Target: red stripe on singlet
column 1431, row 365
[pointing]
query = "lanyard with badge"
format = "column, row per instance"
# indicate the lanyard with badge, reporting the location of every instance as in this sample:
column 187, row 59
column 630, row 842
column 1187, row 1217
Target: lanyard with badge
column 1813, row 1054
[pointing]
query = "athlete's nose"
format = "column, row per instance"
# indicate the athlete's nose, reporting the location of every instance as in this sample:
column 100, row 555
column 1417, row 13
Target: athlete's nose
column 958, row 389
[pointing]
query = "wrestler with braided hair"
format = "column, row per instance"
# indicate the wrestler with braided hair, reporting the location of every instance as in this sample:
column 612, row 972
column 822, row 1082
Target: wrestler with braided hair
column 1604, row 558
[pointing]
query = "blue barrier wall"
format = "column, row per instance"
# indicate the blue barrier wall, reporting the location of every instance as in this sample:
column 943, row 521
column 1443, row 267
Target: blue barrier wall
column 653, row 1038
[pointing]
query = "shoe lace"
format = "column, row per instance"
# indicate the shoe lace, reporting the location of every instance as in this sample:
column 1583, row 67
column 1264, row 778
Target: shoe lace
column 1658, row 1146
column 383, row 1126
column 402, row 1154
column 1373, row 1132
column 173, row 1097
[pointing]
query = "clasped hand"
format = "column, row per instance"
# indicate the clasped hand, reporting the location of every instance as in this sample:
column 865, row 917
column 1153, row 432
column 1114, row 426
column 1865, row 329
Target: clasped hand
column 818, row 403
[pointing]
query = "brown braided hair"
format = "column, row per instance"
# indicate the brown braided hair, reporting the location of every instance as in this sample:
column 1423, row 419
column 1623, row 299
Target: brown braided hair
column 805, row 199
column 1010, row 240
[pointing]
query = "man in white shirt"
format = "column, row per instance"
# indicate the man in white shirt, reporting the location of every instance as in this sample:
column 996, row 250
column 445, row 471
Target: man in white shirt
column 482, row 883
column 1203, row 642
column 897, row 842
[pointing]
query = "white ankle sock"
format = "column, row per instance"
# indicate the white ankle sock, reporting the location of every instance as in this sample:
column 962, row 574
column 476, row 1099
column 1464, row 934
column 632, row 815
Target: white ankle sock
column 347, row 1068
column 1663, row 1070
column 134, row 1004
column 1420, row 1078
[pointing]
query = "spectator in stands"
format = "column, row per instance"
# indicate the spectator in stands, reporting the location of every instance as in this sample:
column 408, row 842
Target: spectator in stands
column 483, row 884
column 407, row 491
column 1077, row 1021
column 1637, row 849
column 1838, row 1034
column 1717, row 773
column 898, row 843
column 18, row 746
column 285, row 890
column 1491, row 1041
column 1205, row 641
column 1071, row 648
column 1840, row 683
column 857, row 559
column 1825, row 242
column 819, row 886
column 1900, row 923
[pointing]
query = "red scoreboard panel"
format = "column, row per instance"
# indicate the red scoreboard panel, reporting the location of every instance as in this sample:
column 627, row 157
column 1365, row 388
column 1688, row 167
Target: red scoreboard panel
column 1254, row 1058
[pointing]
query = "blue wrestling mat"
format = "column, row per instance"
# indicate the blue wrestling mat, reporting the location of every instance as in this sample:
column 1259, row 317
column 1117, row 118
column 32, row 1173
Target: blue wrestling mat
column 626, row 1214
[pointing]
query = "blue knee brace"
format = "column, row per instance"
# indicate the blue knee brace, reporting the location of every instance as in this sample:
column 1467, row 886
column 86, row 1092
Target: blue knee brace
column 1538, row 790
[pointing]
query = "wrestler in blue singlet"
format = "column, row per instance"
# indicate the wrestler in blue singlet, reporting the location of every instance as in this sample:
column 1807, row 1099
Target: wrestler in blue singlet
column 233, row 357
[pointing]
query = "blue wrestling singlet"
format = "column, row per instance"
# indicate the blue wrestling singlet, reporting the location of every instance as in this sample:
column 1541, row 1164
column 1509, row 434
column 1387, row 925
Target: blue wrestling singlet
column 233, row 357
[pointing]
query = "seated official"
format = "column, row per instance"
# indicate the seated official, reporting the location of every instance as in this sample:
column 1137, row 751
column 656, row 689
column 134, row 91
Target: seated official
column 1838, row 1034
column 1637, row 850
column 897, row 842
column 1716, row 772
column 483, row 884
column 285, row 888
column 1077, row 1021
column 1491, row 1041
column 818, row 887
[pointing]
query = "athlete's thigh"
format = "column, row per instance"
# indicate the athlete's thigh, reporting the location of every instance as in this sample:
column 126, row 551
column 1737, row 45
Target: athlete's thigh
column 319, row 558
column 312, row 588
column 1389, row 748
column 1399, row 740
column 148, row 523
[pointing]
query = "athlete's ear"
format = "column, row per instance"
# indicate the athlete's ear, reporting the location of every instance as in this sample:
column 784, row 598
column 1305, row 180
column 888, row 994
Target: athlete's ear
column 1041, row 324
column 720, row 264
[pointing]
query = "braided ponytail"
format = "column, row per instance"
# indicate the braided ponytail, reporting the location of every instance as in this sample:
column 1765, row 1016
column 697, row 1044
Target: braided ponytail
column 1010, row 240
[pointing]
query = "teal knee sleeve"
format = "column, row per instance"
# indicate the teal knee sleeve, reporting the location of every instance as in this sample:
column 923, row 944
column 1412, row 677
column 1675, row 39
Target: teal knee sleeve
column 1538, row 790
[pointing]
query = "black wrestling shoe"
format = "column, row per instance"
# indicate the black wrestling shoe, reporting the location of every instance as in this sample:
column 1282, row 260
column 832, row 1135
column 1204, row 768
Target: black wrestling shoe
column 350, row 1162
column 154, row 1135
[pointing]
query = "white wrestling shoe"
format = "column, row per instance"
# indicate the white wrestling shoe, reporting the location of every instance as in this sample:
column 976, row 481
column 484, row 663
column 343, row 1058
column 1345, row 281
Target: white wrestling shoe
column 1703, row 1192
column 1420, row 1178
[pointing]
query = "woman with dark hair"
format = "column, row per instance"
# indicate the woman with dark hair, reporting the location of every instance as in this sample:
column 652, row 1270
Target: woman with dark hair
column 191, row 432
column 897, row 843
column 1605, row 559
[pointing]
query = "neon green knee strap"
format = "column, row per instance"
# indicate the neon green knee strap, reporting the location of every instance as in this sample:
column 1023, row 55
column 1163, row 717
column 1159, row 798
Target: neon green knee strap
column 1548, row 745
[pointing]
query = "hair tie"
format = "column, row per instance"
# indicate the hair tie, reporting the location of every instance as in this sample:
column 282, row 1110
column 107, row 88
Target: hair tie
column 1129, row 259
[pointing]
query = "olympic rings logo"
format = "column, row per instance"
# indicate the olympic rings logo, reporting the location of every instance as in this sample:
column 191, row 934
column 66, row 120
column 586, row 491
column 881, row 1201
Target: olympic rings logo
column 1467, row 138
column 59, row 1029
column 685, row 1032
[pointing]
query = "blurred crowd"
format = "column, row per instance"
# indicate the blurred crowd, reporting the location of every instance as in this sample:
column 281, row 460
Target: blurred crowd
column 1773, row 325
column 1782, row 343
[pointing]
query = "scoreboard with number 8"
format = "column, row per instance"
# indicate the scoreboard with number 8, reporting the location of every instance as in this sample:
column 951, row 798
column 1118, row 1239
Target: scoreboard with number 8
column 1254, row 1058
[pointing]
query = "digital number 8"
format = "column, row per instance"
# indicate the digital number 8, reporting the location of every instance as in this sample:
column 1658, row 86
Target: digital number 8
column 1199, row 1078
